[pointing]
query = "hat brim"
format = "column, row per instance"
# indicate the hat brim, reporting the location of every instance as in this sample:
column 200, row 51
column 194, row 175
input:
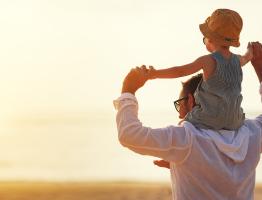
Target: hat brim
column 221, row 41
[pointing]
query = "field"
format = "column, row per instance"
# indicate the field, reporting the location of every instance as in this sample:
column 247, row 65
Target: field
column 90, row 191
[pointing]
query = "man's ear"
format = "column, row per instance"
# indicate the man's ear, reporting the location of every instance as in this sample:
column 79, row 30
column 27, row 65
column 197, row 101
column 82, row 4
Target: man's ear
column 191, row 100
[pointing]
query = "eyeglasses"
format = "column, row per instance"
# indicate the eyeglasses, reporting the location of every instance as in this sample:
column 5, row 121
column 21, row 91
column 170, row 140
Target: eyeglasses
column 177, row 103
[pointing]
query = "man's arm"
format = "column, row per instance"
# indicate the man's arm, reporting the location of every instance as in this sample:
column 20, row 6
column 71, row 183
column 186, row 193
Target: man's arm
column 169, row 143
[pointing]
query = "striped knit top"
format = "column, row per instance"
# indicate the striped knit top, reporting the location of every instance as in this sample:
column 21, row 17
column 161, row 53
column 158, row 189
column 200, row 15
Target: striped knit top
column 218, row 99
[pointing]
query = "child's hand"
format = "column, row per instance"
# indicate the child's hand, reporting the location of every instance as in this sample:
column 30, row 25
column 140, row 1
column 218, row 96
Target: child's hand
column 151, row 73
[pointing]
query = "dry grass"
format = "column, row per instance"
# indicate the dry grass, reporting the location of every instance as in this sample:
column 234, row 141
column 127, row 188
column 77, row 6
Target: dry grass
column 90, row 191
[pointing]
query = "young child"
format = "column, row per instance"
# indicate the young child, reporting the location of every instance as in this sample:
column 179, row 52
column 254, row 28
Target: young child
column 218, row 96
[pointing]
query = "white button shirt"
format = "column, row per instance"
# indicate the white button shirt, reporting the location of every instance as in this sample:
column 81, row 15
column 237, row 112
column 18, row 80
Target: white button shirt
column 204, row 164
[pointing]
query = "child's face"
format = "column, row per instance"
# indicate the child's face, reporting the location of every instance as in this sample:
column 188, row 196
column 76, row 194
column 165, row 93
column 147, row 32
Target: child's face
column 209, row 45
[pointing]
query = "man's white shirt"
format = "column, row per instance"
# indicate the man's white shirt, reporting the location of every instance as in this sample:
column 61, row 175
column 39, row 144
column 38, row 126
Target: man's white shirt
column 204, row 164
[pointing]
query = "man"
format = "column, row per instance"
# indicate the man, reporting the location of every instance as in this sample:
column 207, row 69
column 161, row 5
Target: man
column 204, row 164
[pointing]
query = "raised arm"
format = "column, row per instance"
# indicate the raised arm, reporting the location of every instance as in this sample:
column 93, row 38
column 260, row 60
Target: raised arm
column 179, row 71
column 169, row 143
column 257, row 64
column 257, row 59
column 247, row 56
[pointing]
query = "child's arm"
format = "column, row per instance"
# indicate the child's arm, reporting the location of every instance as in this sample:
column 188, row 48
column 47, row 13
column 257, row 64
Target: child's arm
column 179, row 71
column 247, row 56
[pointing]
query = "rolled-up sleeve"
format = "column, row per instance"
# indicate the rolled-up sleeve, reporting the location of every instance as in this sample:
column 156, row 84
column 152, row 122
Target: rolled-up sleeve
column 170, row 143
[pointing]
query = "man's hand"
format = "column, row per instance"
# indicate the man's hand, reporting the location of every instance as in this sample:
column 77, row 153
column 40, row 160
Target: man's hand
column 135, row 79
column 257, row 59
column 249, row 53
column 162, row 163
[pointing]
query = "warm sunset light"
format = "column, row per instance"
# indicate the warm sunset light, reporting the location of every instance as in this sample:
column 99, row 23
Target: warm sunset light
column 62, row 65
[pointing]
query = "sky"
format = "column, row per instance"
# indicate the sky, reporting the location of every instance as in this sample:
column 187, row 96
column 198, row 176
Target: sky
column 65, row 56
column 73, row 55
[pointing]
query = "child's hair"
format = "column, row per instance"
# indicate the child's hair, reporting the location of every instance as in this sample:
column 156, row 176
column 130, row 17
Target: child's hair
column 190, row 86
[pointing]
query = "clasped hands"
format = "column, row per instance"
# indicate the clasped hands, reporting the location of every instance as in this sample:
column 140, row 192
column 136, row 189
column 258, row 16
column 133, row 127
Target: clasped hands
column 136, row 78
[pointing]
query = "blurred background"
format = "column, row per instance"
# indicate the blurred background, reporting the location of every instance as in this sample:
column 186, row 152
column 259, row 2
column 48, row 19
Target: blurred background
column 62, row 63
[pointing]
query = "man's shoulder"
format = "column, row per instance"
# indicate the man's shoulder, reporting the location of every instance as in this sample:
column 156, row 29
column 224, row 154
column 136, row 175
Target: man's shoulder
column 253, row 124
column 190, row 128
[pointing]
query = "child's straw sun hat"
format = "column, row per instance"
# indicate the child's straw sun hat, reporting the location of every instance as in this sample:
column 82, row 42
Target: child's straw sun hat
column 223, row 27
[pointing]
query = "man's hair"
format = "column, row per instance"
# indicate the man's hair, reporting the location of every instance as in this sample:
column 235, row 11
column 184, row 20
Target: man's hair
column 190, row 86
